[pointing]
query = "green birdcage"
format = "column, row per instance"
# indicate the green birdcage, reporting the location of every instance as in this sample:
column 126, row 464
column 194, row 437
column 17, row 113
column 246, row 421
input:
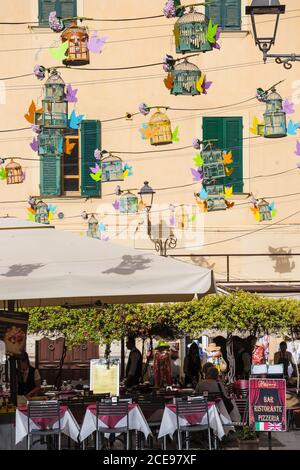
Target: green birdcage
column 215, row 198
column 55, row 105
column 185, row 76
column 112, row 169
column 41, row 213
column 213, row 165
column 275, row 117
column 264, row 209
column 190, row 33
column 51, row 142
column 128, row 203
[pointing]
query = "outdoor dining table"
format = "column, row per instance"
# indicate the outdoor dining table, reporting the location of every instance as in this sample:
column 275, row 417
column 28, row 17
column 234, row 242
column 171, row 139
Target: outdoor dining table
column 68, row 424
column 136, row 421
column 218, row 418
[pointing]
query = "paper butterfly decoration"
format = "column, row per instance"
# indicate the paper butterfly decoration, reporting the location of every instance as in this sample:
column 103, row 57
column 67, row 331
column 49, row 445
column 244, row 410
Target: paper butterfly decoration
column 59, row 52
column 193, row 218
column 69, row 147
column 288, row 107
column 71, row 94
column 127, row 170
column 206, row 85
column 116, row 205
column 228, row 191
column 30, row 214
column 102, row 227
column 254, row 128
column 169, row 81
column 197, row 174
column 3, row 174
column 175, row 137
column 203, row 193
column 211, row 32
column 229, row 205
column 34, row 144
column 104, row 238
column 31, row 110
column 199, row 83
column 198, row 160
column 96, row 44
column 96, row 174
column 96, row 169
column 216, row 45
column 202, row 204
column 52, row 209
column 75, row 120
column 292, row 127
column 227, row 158
column 172, row 220
column 228, row 171
column 146, row 131
column 297, row 151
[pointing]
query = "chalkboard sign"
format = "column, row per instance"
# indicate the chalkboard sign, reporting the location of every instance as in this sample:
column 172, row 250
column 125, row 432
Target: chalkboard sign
column 267, row 404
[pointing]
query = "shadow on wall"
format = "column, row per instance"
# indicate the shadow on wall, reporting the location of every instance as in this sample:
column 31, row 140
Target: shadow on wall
column 130, row 265
column 283, row 264
column 22, row 270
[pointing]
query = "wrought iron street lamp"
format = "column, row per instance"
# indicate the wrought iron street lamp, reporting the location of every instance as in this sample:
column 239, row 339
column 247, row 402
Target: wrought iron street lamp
column 273, row 8
column 161, row 245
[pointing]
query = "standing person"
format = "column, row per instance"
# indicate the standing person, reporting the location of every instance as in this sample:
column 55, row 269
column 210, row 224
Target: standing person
column 162, row 365
column 192, row 366
column 243, row 362
column 134, row 366
column 284, row 357
column 29, row 379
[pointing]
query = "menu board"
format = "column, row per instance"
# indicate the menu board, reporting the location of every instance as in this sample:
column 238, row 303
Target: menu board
column 267, row 404
column 104, row 376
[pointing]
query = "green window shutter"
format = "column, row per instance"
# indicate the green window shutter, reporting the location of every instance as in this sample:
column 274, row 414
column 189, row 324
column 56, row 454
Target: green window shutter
column 231, row 14
column 68, row 8
column 45, row 8
column 214, row 11
column 90, row 134
column 233, row 133
column 229, row 135
column 50, row 175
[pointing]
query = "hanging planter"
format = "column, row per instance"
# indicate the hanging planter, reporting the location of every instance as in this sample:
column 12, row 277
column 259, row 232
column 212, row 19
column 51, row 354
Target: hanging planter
column 112, row 169
column 50, row 142
column 160, row 129
column 128, row 203
column 77, row 38
column 14, row 173
column 191, row 33
column 55, row 104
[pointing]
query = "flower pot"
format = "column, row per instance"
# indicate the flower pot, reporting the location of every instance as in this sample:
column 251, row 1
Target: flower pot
column 249, row 445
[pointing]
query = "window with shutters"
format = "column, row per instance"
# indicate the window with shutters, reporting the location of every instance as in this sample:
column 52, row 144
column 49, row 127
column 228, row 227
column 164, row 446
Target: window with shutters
column 226, row 13
column 63, row 8
column 227, row 133
column 69, row 174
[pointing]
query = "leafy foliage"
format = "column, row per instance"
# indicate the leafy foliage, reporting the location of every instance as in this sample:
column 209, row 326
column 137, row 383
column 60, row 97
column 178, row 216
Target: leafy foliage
column 239, row 311
column 247, row 434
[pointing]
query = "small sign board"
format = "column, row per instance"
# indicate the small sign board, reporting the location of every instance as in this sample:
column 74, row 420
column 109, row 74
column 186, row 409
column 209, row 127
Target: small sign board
column 104, row 376
column 267, row 404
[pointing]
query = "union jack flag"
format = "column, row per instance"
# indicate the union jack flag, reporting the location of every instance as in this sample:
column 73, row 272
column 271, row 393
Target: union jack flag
column 274, row 426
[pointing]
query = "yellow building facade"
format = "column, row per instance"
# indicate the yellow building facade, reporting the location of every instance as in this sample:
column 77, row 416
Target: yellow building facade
column 267, row 167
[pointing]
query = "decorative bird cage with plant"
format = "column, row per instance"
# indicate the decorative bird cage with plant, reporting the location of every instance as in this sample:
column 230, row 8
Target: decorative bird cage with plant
column 190, row 33
column 92, row 227
column 14, row 173
column 77, row 38
column 213, row 164
column 160, row 126
column 215, row 198
column 55, row 104
column 128, row 203
column 185, row 76
column 275, row 117
column 51, row 142
column 41, row 213
column 112, row 169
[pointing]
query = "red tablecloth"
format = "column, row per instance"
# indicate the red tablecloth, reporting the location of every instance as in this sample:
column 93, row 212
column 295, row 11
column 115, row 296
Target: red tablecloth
column 110, row 421
column 44, row 422
column 191, row 418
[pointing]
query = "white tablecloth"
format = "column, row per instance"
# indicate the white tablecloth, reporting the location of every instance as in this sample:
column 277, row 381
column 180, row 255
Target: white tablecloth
column 136, row 421
column 68, row 425
column 169, row 422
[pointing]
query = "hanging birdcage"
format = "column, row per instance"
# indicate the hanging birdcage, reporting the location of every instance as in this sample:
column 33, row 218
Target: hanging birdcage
column 77, row 52
column 55, row 105
column 51, row 142
column 128, row 203
column 112, row 169
column 275, row 117
column 92, row 227
column 181, row 218
column 190, row 33
column 215, row 198
column 14, row 173
column 185, row 76
column 213, row 165
column 41, row 213
column 161, row 132
column 264, row 209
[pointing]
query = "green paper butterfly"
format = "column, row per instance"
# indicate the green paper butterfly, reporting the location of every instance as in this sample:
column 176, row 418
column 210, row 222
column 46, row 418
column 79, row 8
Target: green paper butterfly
column 198, row 160
column 211, row 32
column 3, row 174
column 175, row 137
column 96, row 176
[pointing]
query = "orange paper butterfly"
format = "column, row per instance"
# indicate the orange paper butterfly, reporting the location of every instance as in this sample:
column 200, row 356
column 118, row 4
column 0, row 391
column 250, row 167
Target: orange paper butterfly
column 31, row 110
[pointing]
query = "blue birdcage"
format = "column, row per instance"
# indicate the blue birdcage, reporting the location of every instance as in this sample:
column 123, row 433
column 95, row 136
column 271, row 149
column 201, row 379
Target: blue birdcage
column 55, row 105
column 185, row 76
column 275, row 117
column 213, row 164
column 128, row 203
column 51, row 142
column 215, row 198
column 265, row 211
column 190, row 33
column 112, row 169
column 41, row 213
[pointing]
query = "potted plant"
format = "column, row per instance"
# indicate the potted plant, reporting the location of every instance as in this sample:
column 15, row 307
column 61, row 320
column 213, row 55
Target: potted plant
column 248, row 439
